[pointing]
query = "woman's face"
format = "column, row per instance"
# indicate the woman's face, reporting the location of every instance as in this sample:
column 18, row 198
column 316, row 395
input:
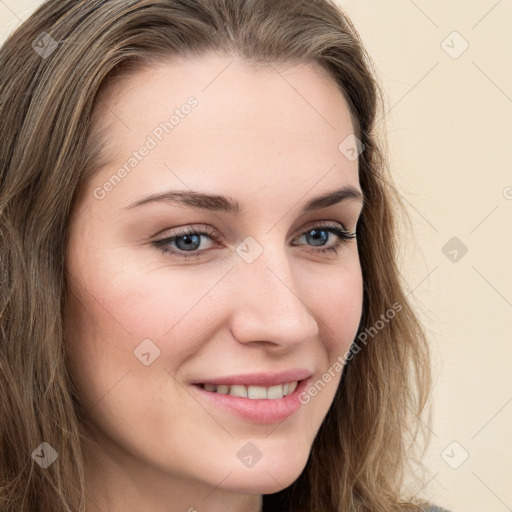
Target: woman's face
column 251, row 298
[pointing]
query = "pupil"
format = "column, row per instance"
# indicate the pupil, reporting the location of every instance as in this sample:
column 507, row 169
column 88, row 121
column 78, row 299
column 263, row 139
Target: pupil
column 189, row 239
column 315, row 236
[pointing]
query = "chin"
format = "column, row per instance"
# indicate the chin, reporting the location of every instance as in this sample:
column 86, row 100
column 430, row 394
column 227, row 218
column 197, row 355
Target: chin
column 269, row 477
column 260, row 482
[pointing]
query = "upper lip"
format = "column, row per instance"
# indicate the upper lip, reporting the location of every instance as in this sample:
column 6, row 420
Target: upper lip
column 258, row 379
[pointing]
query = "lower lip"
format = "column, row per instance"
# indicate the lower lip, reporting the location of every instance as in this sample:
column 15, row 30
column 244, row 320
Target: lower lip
column 265, row 410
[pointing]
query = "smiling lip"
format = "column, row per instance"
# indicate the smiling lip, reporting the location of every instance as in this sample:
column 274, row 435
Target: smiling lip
column 258, row 379
column 260, row 411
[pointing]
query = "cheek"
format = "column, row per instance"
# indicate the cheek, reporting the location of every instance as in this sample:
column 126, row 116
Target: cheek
column 337, row 303
column 121, row 317
column 338, row 308
column 116, row 387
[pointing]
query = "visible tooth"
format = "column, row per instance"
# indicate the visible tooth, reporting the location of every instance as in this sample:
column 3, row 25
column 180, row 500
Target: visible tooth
column 276, row 391
column 222, row 389
column 238, row 390
column 257, row 392
column 292, row 387
column 253, row 392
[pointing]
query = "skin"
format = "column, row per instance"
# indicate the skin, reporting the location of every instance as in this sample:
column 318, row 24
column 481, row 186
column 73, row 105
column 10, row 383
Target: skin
column 157, row 446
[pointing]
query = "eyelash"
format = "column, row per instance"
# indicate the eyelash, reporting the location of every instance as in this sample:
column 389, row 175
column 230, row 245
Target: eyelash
column 343, row 237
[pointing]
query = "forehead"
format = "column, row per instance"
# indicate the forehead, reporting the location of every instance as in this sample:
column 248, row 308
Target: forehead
column 255, row 124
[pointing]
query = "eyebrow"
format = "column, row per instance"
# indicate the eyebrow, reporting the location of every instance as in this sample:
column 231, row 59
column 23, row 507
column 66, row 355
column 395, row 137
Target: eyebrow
column 215, row 202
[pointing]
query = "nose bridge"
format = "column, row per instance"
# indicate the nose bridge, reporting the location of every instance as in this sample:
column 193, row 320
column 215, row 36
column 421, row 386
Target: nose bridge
column 268, row 305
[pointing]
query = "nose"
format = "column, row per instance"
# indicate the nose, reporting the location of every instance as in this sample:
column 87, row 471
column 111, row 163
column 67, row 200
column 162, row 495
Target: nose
column 268, row 307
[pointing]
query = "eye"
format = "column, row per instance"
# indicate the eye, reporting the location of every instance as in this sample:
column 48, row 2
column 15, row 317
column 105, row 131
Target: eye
column 188, row 240
column 318, row 235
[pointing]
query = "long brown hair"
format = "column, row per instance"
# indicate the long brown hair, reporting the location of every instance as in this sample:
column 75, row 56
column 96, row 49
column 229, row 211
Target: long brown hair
column 52, row 69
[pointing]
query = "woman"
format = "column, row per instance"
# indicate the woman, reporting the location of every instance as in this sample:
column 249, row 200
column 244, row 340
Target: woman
column 190, row 318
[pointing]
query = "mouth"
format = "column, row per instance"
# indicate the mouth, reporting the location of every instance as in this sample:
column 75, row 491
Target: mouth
column 256, row 404
column 253, row 392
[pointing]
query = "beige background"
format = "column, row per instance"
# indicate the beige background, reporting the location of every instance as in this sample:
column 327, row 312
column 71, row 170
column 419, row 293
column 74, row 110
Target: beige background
column 449, row 120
